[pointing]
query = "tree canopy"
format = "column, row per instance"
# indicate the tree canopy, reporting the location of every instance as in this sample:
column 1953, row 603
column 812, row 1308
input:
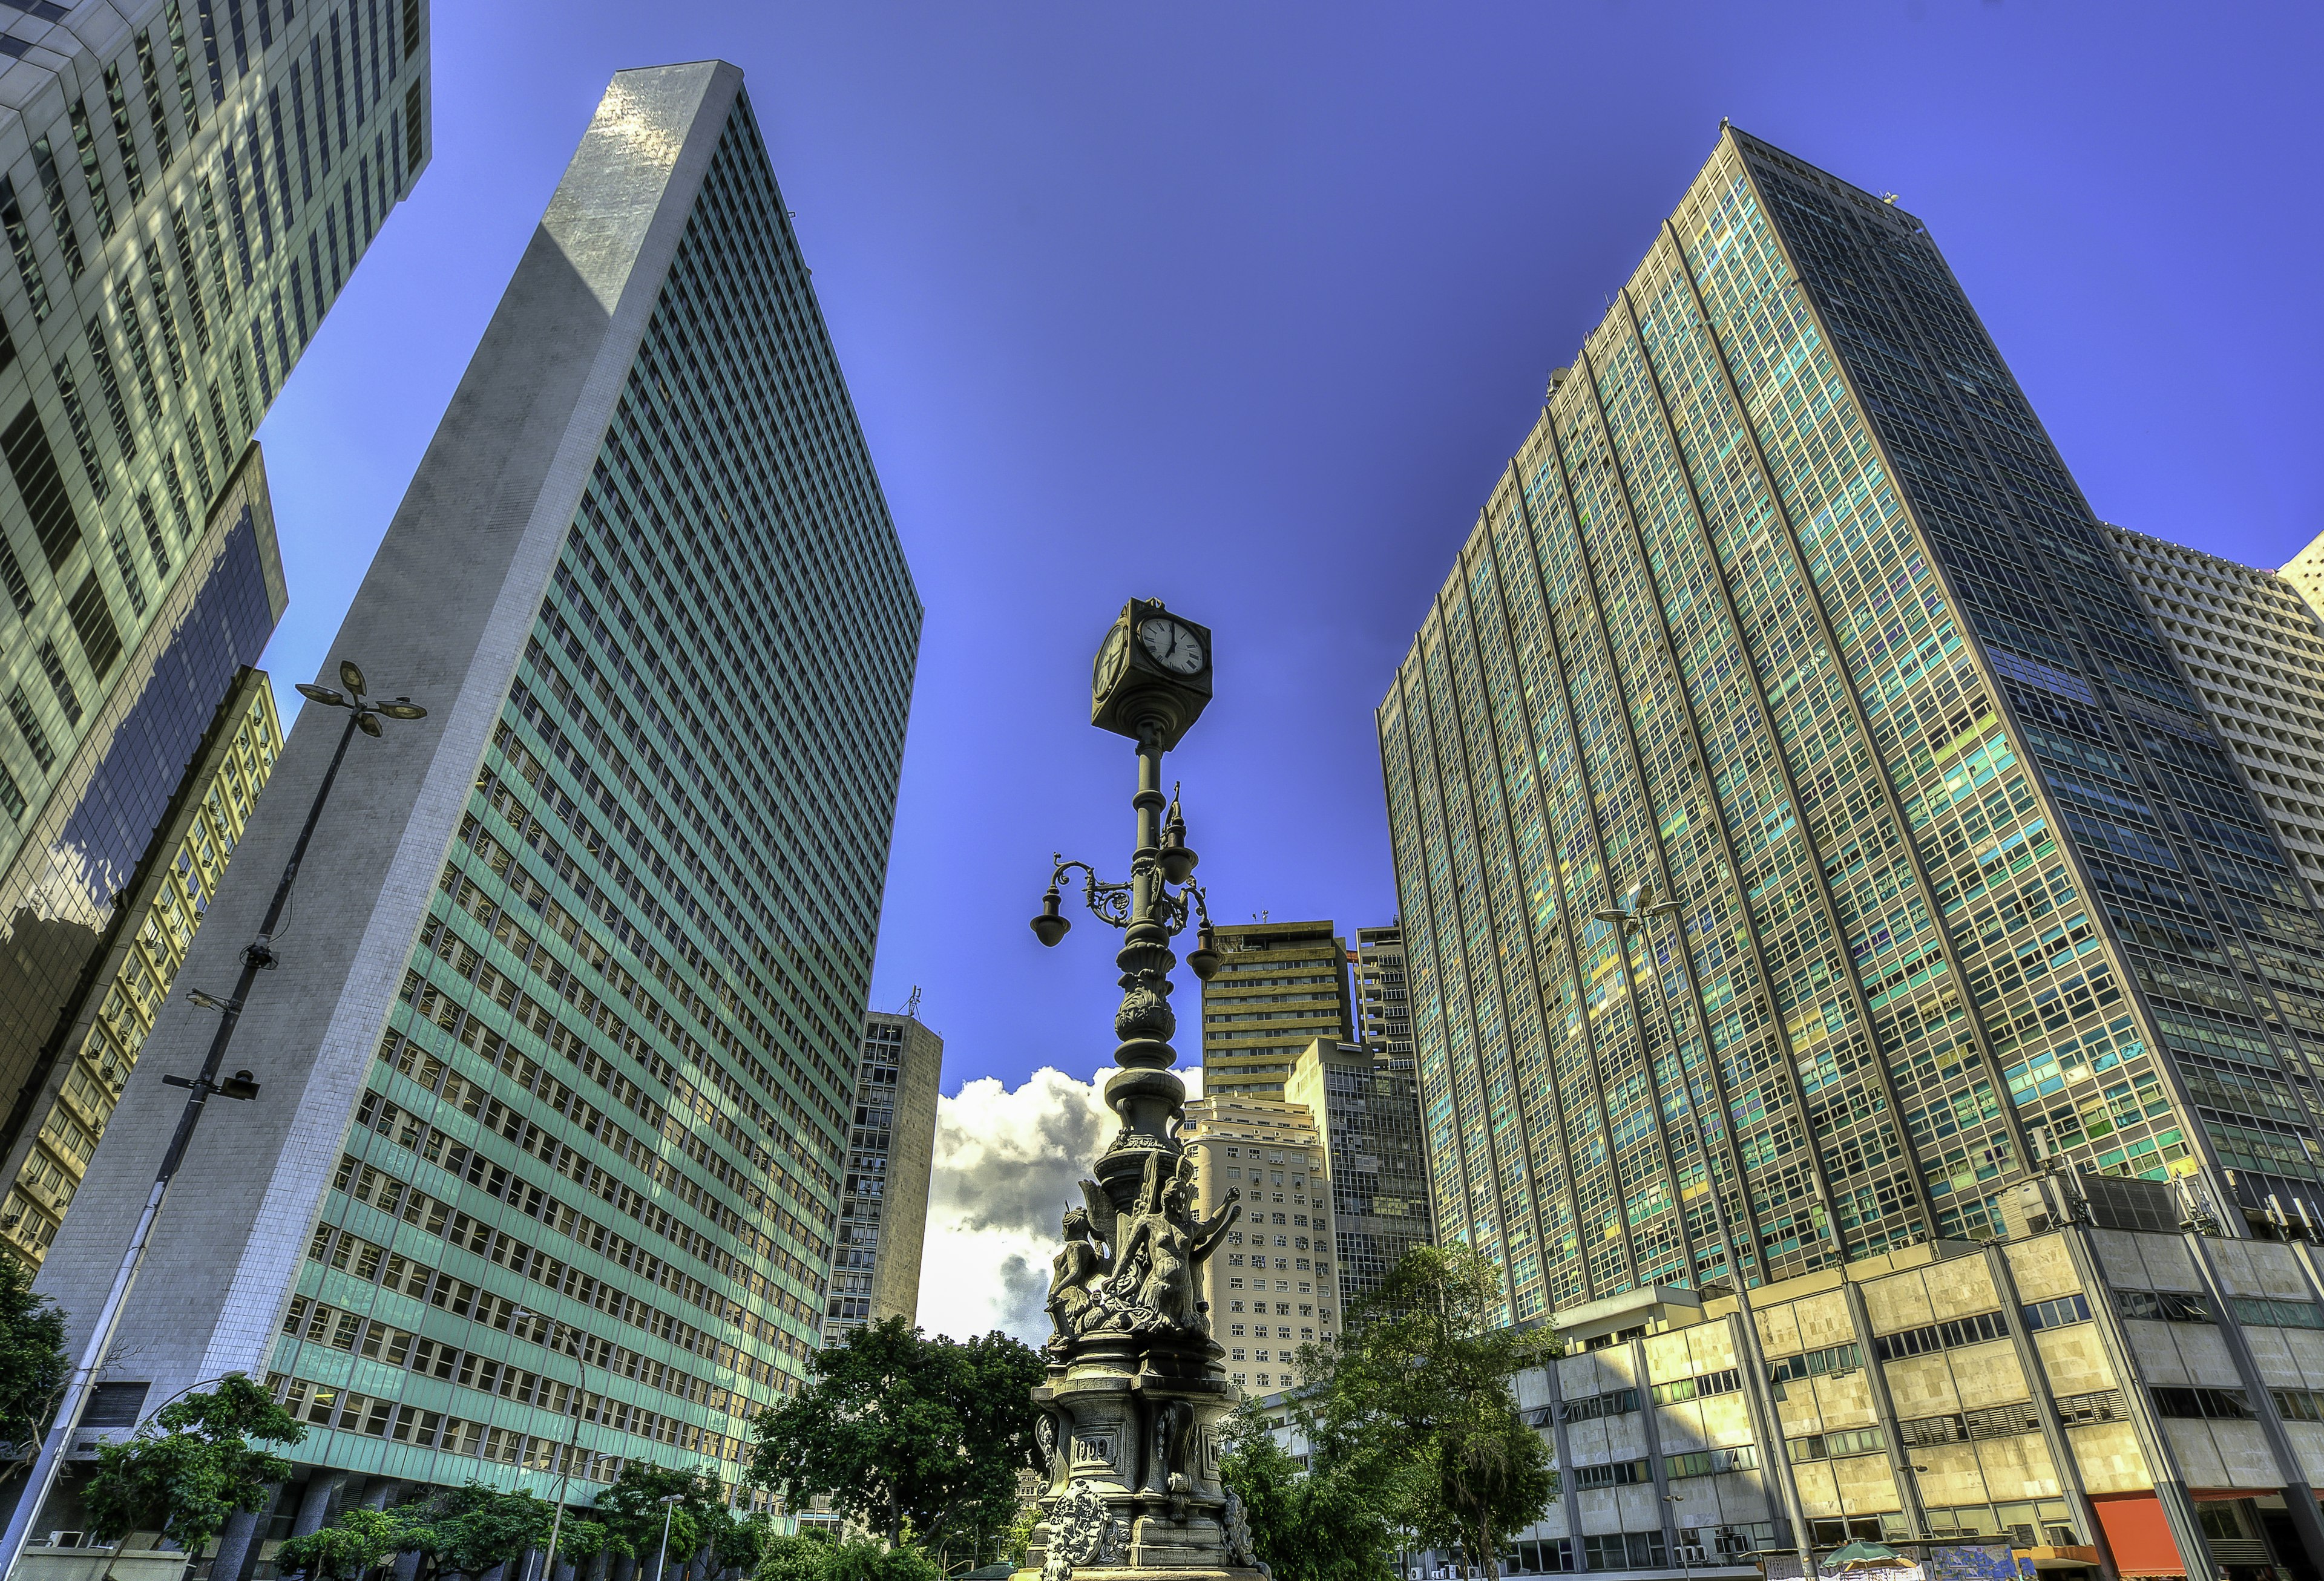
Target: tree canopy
column 191, row 1466
column 907, row 1434
column 32, row 1364
column 1307, row 1526
column 1414, row 1407
column 631, row 1510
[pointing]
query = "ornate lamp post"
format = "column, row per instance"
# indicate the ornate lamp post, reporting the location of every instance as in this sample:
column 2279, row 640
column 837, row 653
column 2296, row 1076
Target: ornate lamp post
column 1136, row 1386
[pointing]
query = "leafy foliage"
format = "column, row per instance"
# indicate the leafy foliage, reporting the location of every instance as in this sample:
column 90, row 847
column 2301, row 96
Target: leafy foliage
column 1413, row 1406
column 33, row 1363
column 354, row 1542
column 816, row 1558
column 191, row 1466
column 631, row 1510
column 904, row 1432
column 794, row 1559
column 471, row 1529
column 1319, row 1526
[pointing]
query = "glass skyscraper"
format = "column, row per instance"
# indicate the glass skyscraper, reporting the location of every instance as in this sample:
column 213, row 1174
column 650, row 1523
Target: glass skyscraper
column 184, row 190
column 558, row 1064
column 1788, row 608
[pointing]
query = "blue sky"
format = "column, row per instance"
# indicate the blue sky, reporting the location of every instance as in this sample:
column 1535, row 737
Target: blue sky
column 1244, row 306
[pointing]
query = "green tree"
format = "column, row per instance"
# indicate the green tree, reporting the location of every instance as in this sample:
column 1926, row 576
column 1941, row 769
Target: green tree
column 1414, row 1405
column 865, row 1560
column 191, row 1466
column 901, row 1431
column 358, row 1540
column 632, row 1510
column 32, row 1365
column 471, row 1529
column 1308, row 1526
column 804, row 1558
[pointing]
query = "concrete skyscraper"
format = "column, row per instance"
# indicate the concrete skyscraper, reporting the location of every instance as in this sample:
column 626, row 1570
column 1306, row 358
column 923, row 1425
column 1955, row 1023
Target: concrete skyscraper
column 1273, row 1289
column 1374, row 1160
column 1787, row 608
column 1281, row 985
column 557, row 1063
column 1383, row 1002
column 884, row 1203
column 183, row 194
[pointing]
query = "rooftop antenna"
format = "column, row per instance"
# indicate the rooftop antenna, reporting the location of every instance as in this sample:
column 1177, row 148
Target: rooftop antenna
column 912, row 1005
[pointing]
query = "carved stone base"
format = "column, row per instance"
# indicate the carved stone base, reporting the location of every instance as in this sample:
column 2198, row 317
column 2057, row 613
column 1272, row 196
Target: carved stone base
column 1132, row 1431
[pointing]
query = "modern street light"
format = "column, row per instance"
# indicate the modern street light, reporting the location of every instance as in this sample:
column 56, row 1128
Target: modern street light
column 572, row 1441
column 670, row 1504
column 257, row 956
column 1685, row 1559
column 1641, row 915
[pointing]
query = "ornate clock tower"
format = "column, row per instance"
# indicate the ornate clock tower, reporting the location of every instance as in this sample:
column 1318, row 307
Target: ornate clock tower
column 1136, row 1390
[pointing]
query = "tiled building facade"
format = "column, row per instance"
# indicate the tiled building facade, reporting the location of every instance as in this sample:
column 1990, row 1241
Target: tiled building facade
column 883, row 1201
column 1280, row 984
column 1375, row 1158
column 1787, row 608
column 557, row 1068
column 1272, row 1288
column 184, row 192
column 158, row 922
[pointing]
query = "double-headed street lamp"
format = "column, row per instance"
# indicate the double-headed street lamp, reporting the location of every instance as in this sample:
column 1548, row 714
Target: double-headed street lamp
column 364, row 715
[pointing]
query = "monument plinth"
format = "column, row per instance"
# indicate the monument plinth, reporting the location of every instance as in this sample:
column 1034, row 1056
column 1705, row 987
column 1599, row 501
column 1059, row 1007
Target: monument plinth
column 1137, row 1388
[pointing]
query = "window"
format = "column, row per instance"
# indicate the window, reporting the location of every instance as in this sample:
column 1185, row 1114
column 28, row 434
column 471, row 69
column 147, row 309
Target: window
column 1943, row 1336
column 1724, row 1382
column 1833, row 1445
column 2216, row 1405
column 2057, row 1313
column 1838, row 1358
column 1625, row 1550
column 2275, row 1313
column 1620, row 1474
column 1613, row 1403
column 2299, row 1404
column 1707, row 1462
column 2168, row 1306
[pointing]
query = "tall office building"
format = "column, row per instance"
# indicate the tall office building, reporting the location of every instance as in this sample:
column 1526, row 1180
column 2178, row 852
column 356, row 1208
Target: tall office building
column 1383, row 1003
column 883, row 1201
column 1374, row 1158
column 1281, row 985
column 1272, row 1290
column 1787, row 606
column 558, row 1062
column 2252, row 649
column 183, row 193
column 155, row 922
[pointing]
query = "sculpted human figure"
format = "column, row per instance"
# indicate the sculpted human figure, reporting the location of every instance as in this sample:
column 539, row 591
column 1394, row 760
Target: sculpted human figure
column 1160, row 1250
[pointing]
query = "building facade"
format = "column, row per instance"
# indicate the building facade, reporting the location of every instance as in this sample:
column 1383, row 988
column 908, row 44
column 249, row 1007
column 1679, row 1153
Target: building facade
column 1383, row 1002
column 1787, row 608
column 2252, row 649
column 883, row 1201
column 1273, row 1288
column 556, row 1068
column 2104, row 1400
column 157, row 920
column 1374, row 1160
column 183, row 193
column 1281, row 985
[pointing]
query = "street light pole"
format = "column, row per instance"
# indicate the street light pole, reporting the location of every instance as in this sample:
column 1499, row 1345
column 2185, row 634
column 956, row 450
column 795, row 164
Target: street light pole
column 670, row 1503
column 257, row 957
column 1640, row 916
column 572, row 1439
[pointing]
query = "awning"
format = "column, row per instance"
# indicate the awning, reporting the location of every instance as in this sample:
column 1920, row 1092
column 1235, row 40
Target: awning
column 2139, row 1536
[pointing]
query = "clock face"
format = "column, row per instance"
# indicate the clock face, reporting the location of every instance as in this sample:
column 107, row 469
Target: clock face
column 1173, row 646
column 1110, row 658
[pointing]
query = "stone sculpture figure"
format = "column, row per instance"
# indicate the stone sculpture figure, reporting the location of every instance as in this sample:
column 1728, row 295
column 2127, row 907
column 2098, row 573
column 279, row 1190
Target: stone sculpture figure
column 1154, row 1278
column 1082, row 1531
column 1080, row 1264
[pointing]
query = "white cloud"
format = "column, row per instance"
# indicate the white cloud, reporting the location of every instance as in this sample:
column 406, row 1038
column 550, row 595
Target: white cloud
column 1006, row 1161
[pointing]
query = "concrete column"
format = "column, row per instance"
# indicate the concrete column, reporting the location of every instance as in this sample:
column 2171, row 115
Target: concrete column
column 1564, row 1466
column 315, row 1504
column 1654, row 1441
column 239, row 1541
column 2045, row 1408
column 2153, row 1442
column 407, row 1566
column 380, row 1493
column 1884, row 1409
column 2299, row 1497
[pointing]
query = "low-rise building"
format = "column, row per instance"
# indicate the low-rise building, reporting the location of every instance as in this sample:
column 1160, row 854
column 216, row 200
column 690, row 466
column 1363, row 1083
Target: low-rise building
column 2106, row 1399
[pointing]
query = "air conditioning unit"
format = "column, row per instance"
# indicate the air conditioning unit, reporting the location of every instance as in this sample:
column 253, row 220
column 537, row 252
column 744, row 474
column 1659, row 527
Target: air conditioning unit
column 67, row 1538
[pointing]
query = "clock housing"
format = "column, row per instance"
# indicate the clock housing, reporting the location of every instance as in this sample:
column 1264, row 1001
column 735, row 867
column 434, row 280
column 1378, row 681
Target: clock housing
column 1132, row 685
